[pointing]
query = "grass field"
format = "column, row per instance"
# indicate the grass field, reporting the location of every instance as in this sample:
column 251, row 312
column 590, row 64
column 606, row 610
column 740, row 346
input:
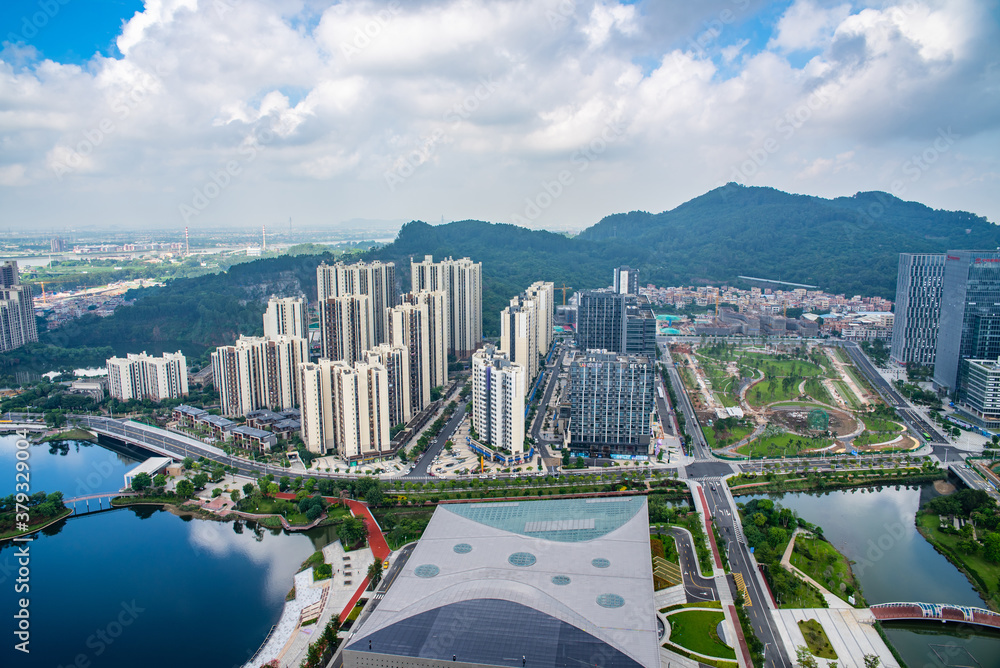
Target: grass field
column 783, row 444
column 815, row 389
column 823, row 563
column 882, row 425
column 696, row 630
column 816, row 639
column 847, row 394
column 768, row 391
column 733, row 436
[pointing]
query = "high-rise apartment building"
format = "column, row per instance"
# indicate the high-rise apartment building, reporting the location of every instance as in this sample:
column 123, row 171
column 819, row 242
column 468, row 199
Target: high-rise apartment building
column 346, row 327
column 626, row 281
column 462, row 281
column 17, row 309
column 498, row 401
column 259, row 372
column 396, row 360
column 600, row 321
column 286, row 316
column 409, row 326
column 919, row 286
column 611, row 400
column 147, row 377
column 376, row 280
column 519, row 336
column 543, row 294
column 345, row 409
column 437, row 324
column 969, row 327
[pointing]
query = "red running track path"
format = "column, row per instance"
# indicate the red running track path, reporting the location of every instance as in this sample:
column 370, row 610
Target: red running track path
column 376, row 541
column 708, row 529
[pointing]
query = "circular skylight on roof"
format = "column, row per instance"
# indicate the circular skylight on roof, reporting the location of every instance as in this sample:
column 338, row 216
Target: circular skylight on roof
column 600, row 563
column 610, row 601
column 522, row 559
column 462, row 548
column 560, row 580
column 426, row 571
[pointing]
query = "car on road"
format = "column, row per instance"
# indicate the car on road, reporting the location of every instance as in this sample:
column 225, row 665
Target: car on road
column 482, row 476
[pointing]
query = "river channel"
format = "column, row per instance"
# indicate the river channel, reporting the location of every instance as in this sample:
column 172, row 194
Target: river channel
column 893, row 563
column 140, row 586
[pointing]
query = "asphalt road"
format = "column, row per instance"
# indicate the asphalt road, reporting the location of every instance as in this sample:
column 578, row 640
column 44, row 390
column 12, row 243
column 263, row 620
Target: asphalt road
column 723, row 509
column 423, row 465
column 696, row 587
column 700, row 446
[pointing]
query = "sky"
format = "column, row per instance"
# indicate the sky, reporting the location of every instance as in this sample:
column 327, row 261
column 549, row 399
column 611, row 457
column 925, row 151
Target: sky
column 544, row 113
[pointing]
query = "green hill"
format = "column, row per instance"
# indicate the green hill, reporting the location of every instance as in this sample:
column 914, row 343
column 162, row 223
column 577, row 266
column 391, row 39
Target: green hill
column 847, row 244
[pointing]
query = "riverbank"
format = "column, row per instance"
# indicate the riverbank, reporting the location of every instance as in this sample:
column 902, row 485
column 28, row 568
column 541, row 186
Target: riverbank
column 35, row 528
column 974, row 566
column 829, row 480
column 73, row 434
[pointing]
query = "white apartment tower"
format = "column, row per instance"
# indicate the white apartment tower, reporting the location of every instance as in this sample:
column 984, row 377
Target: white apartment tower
column 462, row 281
column 437, row 312
column 285, row 316
column 396, row 360
column 376, row 280
column 146, row 377
column 259, row 372
column 409, row 326
column 498, row 400
column 519, row 336
column 345, row 408
column 346, row 327
column 543, row 294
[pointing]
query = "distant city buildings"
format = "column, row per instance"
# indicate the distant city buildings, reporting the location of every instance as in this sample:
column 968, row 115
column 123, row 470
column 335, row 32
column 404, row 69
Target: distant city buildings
column 462, row 281
column 626, row 281
column 144, row 376
column 919, row 285
column 611, row 399
column 17, row 309
column 498, row 401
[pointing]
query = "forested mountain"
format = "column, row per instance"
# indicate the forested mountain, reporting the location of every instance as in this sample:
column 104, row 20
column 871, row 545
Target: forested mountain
column 848, row 244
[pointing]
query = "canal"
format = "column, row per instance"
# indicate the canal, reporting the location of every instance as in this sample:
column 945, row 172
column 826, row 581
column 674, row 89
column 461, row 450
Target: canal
column 140, row 586
column 893, row 562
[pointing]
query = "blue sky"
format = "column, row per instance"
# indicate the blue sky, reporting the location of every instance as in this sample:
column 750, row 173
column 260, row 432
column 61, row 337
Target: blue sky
column 247, row 112
column 69, row 31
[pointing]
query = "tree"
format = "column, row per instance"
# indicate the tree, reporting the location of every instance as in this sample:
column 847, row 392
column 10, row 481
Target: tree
column 805, row 658
column 991, row 546
column 235, row 495
column 872, row 661
column 374, row 498
column 248, row 489
column 187, row 463
column 284, row 483
column 375, row 575
column 185, row 489
column 160, row 480
column 200, row 480
column 141, row 481
column 351, row 532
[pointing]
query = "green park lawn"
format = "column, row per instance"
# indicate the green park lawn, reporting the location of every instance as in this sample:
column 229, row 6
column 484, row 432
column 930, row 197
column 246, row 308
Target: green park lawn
column 768, row 391
column 822, row 562
column 815, row 389
column 983, row 571
column 816, row 639
column 696, row 630
column 844, row 391
column 782, row 445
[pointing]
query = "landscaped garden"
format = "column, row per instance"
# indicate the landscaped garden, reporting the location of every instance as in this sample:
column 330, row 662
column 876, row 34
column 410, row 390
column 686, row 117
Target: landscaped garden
column 696, row 630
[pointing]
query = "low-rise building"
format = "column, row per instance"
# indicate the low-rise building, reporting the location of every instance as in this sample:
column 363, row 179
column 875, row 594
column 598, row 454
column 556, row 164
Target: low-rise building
column 256, row 440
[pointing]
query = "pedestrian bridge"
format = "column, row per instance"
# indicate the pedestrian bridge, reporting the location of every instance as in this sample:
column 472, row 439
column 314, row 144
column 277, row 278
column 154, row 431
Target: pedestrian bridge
column 941, row 612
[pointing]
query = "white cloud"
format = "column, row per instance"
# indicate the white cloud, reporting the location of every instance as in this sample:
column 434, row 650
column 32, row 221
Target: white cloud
column 494, row 99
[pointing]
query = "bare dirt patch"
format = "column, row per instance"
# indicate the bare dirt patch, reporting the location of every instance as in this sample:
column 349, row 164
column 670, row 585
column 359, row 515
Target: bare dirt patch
column 796, row 419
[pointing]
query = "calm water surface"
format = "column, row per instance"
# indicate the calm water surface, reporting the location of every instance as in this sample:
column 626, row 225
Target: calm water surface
column 893, row 562
column 140, row 586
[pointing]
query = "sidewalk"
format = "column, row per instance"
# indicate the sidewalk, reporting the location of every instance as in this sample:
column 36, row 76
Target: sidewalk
column 851, row 632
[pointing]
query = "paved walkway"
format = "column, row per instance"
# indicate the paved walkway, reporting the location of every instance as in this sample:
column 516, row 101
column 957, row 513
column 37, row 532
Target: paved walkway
column 832, row 599
column 670, row 596
column 851, row 632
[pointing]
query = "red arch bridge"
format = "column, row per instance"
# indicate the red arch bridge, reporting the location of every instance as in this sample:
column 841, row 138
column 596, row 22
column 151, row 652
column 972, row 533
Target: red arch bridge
column 941, row 612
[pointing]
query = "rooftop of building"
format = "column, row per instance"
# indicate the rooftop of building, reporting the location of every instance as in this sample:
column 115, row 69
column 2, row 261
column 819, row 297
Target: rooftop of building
column 570, row 578
column 251, row 432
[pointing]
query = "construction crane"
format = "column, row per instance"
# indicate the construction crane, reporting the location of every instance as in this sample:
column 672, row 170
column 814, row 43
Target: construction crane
column 564, row 288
